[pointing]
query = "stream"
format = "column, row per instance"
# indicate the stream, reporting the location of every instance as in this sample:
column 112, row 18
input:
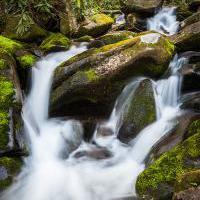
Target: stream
column 55, row 170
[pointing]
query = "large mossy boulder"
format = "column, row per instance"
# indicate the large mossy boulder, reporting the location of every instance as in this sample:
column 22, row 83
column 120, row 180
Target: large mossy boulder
column 188, row 39
column 159, row 179
column 55, row 42
column 96, row 26
column 139, row 113
column 142, row 7
column 98, row 75
column 30, row 32
column 9, row 167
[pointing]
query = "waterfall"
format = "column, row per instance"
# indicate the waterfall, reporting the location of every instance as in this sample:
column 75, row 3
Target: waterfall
column 55, row 169
column 164, row 22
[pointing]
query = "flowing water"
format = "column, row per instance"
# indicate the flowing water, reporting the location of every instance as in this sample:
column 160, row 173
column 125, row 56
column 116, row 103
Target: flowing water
column 53, row 171
column 164, row 22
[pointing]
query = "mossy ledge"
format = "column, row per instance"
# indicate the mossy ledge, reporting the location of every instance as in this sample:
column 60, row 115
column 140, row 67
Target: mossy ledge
column 165, row 170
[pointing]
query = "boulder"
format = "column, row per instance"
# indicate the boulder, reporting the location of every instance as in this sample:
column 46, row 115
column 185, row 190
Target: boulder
column 97, row 76
column 188, row 39
column 159, row 179
column 55, row 42
column 96, row 26
column 30, row 32
column 9, row 167
column 139, row 113
column 142, row 7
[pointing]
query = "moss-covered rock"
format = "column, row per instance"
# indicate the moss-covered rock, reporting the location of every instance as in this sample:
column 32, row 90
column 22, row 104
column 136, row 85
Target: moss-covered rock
column 111, row 38
column 26, row 60
column 158, row 180
column 95, row 26
column 188, row 39
column 9, row 167
column 112, row 65
column 140, row 111
column 55, row 42
column 9, row 45
column 32, row 31
column 85, row 38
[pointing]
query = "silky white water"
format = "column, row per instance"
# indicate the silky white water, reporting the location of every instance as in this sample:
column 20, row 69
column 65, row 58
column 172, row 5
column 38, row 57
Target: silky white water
column 164, row 22
column 54, row 172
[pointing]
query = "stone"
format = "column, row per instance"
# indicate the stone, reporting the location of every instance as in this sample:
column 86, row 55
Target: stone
column 97, row 76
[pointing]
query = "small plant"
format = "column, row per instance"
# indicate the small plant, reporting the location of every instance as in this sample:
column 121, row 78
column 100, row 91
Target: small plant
column 24, row 23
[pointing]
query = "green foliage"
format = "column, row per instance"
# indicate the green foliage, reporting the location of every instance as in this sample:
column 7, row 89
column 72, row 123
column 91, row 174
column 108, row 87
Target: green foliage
column 27, row 10
column 90, row 7
column 24, row 24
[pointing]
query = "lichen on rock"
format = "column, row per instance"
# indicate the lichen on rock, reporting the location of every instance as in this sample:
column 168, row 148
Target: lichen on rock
column 55, row 42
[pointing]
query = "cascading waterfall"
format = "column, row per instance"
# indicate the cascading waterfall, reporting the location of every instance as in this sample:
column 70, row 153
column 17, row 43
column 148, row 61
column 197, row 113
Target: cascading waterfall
column 54, row 172
column 164, row 22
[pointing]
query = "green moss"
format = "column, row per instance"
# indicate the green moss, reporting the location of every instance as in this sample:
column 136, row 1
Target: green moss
column 10, row 45
column 168, row 167
column 56, row 41
column 12, row 166
column 100, row 23
column 27, row 61
column 143, row 98
column 3, row 64
column 91, row 75
column 4, row 128
column 115, row 37
column 102, row 19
